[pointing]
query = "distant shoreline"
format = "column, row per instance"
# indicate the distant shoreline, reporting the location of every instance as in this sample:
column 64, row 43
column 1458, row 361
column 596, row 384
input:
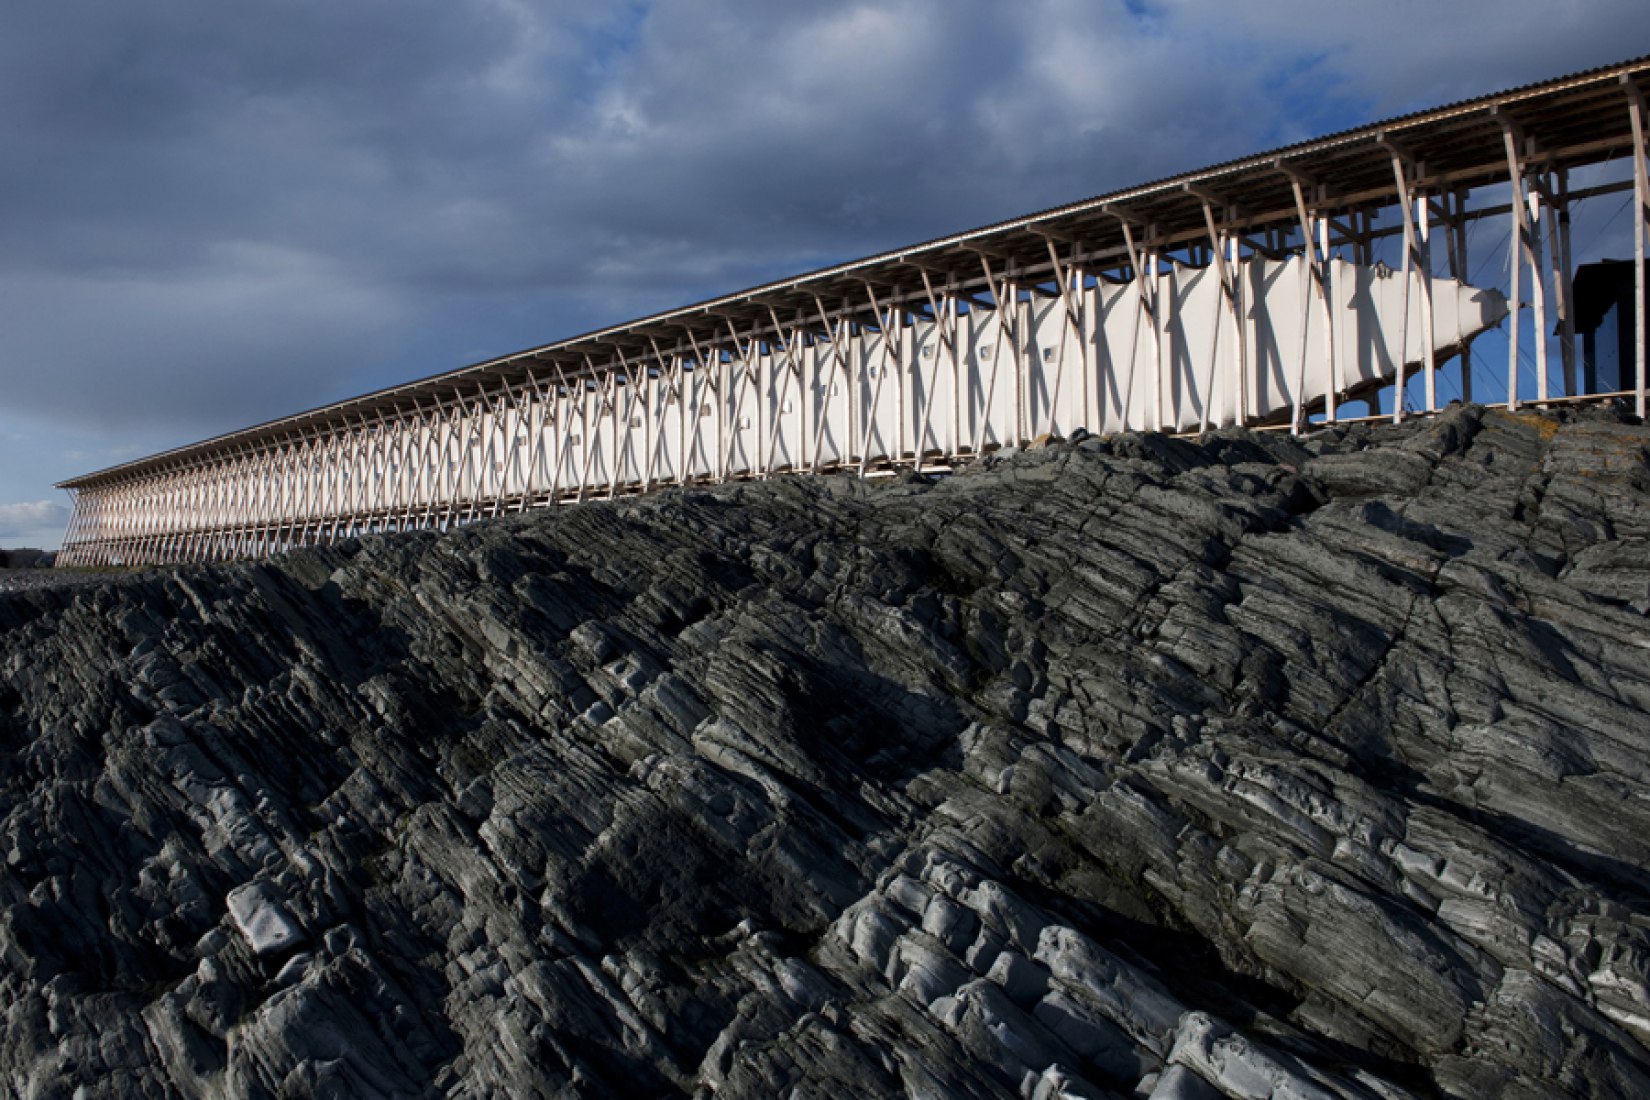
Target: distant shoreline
column 36, row 579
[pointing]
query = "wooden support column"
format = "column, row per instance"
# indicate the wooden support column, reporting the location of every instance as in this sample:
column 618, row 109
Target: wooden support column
column 670, row 378
column 422, row 436
column 1003, row 295
column 1641, row 226
column 71, row 534
column 618, row 424
column 237, row 520
column 902, row 378
column 945, row 330
column 1416, row 257
column 650, row 381
column 408, row 464
column 614, row 377
column 1065, row 275
column 1143, row 263
column 1221, row 239
column 584, row 385
column 1460, row 271
column 1533, row 246
column 1315, row 253
column 723, row 373
column 1526, row 249
column 743, row 372
column 1559, row 259
column 839, row 368
column 427, row 481
column 791, row 340
column 1429, row 330
column 889, row 322
column 563, row 419
column 506, row 423
column 685, row 393
column 705, row 380
column 447, row 478
column 240, row 503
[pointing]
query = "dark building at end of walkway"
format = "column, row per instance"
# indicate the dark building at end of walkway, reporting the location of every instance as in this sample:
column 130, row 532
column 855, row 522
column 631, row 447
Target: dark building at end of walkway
column 1607, row 325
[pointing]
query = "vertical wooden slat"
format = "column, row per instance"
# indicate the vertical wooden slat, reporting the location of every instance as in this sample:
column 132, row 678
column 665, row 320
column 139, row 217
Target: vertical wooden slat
column 1641, row 216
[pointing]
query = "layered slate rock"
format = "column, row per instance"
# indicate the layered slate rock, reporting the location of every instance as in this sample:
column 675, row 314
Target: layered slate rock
column 1240, row 767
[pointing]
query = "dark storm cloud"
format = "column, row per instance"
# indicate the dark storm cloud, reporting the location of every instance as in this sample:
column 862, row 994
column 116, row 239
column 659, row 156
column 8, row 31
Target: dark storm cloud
column 216, row 213
column 215, row 207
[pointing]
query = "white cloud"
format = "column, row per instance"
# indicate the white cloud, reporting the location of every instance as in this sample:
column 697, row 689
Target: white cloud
column 36, row 522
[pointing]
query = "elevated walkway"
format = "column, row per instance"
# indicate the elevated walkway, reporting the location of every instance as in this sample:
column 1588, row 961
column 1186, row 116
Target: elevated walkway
column 1304, row 284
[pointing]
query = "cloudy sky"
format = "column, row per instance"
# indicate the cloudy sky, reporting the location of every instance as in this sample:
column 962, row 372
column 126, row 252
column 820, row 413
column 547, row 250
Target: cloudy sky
column 212, row 214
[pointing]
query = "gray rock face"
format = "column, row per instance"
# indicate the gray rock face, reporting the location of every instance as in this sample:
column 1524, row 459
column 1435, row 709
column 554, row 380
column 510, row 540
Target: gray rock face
column 262, row 919
column 1247, row 767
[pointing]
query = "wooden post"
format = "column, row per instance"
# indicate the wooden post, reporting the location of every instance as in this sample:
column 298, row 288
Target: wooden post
column 1416, row 257
column 1459, row 270
column 889, row 322
column 1558, row 236
column 945, row 331
column 1316, row 256
column 1515, row 247
column 1229, row 291
column 998, row 293
column 1143, row 263
column 1429, row 332
column 1641, row 212
column 1538, row 287
column 1073, row 324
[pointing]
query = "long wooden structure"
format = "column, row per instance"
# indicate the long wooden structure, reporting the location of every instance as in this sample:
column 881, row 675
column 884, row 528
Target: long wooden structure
column 1255, row 292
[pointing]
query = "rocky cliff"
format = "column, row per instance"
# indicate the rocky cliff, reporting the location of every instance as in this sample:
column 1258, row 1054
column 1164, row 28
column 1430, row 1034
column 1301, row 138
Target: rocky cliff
column 1244, row 767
